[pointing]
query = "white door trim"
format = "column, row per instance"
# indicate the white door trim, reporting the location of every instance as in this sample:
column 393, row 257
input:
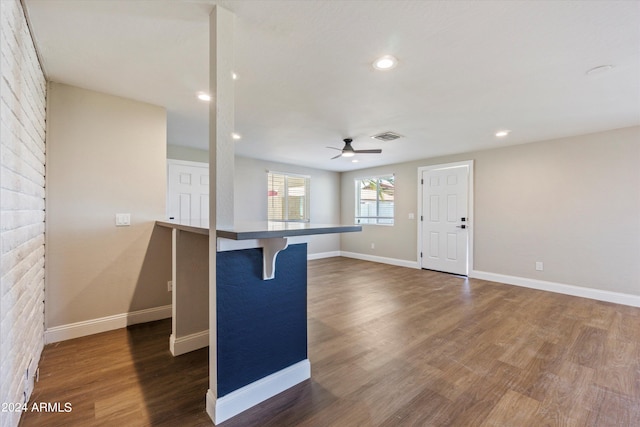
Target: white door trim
column 186, row 163
column 470, row 220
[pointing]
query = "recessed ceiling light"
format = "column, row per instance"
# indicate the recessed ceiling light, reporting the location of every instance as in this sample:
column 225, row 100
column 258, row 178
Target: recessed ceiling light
column 599, row 69
column 386, row 62
column 503, row 133
column 236, row 136
column 234, row 76
column 355, row 161
column 203, row 96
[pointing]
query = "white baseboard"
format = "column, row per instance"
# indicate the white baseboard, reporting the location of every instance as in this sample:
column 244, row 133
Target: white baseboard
column 258, row 391
column 560, row 288
column 321, row 255
column 380, row 259
column 104, row 324
column 188, row 343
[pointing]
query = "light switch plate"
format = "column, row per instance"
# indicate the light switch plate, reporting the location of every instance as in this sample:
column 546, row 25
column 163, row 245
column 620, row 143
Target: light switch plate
column 123, row 219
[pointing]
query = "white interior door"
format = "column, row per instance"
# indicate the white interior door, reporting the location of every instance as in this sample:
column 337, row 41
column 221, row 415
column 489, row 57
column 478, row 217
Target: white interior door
column 187, row 190
column 445, row 221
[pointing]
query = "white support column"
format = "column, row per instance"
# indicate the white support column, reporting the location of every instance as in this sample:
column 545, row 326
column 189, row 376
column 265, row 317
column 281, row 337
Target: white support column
column 174, row 278
column 221, row 161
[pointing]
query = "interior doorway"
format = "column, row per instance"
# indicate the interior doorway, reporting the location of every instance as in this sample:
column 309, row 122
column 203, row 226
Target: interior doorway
column 445, row 239
column 187, row 190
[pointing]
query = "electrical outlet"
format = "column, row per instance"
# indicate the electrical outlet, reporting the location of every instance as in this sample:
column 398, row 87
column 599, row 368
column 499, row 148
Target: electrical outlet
column 539, row 266
column 29, row 380
column 373, row 245
column 169, row 286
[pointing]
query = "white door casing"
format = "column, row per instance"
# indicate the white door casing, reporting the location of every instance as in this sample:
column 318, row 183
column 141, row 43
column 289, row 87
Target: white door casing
column 187, row 190
column 445, row 231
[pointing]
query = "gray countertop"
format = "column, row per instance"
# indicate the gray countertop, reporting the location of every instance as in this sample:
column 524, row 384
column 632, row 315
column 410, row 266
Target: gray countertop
column 193, row 225
column 261, row 230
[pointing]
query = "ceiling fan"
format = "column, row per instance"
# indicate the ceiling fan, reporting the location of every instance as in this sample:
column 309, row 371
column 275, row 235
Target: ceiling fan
column 348, row 151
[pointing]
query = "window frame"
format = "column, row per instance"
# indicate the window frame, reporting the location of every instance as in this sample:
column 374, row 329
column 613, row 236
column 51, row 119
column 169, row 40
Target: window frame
column 358, row 214
column 307, row 196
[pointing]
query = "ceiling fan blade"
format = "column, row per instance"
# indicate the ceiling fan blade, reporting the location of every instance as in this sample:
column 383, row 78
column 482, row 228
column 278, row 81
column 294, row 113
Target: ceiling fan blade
column 348, row 150
column 376, row 151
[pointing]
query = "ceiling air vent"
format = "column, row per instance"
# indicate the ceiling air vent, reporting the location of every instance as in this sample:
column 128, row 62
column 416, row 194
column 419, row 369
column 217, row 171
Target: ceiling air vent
column 386, row 136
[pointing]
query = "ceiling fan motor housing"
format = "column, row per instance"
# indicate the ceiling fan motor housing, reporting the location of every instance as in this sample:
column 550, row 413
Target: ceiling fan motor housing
column 347, row 146
column 348, row 151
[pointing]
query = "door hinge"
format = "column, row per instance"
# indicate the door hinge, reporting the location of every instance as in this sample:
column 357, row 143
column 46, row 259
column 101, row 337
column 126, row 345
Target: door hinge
column 420, row 254
column 422, row 181
column 421, row 218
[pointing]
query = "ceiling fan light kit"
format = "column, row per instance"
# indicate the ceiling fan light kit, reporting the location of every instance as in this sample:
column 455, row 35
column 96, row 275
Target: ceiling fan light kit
column 348, row 151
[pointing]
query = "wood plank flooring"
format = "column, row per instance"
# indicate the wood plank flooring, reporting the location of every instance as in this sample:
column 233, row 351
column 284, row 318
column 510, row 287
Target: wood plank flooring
column 389, row 346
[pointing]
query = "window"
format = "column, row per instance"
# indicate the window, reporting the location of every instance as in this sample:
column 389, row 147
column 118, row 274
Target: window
column 374, row 200
column 288, row 197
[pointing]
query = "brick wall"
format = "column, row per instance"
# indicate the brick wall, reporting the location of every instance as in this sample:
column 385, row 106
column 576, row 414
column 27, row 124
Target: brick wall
column 22, row 193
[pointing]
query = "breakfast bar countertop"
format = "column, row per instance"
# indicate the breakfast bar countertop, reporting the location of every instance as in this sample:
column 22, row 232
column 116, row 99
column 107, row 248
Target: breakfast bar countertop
column 262, row 229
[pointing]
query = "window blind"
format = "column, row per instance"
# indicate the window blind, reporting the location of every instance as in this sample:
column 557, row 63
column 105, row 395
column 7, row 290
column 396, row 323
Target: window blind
column 288, row 197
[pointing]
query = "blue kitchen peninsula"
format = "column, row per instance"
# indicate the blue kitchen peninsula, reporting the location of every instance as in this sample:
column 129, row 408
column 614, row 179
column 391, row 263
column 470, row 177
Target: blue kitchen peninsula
column 261, row 305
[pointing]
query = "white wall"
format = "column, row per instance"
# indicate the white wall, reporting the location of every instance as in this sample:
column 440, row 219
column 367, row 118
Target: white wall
column 396, row 243
column 250, row 198
column 106, row 155
column 22, row 158
column 177, row 152
column 572, row 203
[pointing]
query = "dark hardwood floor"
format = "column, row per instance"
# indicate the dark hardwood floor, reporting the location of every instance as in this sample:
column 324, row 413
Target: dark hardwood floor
column 389, row 346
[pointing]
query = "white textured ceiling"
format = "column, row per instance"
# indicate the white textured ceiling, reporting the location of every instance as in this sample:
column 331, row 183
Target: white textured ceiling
column 466, row 69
